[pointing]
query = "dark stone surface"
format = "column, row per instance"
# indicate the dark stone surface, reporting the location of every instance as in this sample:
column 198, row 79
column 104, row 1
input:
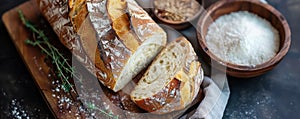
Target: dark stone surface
column 275, row 94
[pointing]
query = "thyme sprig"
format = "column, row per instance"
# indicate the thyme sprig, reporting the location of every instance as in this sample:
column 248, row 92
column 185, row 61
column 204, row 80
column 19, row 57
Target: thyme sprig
column 64, row 69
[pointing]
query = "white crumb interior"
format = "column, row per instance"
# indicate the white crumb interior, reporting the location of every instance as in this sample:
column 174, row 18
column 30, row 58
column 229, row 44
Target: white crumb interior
column 139, row 60
column 161, row 71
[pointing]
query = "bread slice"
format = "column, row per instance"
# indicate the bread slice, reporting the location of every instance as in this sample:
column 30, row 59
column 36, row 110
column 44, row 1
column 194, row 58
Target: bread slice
column 172, row 81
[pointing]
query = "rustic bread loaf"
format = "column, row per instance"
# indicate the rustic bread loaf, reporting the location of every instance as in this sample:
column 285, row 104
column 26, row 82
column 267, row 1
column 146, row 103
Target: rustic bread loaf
column 172, row 81
column 99, row 34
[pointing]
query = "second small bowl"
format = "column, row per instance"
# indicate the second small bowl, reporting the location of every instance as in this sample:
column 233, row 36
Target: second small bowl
column 178, row 25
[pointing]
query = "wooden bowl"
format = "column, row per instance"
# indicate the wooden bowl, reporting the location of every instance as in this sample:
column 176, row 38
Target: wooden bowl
column 179, row 25
column 261, row 9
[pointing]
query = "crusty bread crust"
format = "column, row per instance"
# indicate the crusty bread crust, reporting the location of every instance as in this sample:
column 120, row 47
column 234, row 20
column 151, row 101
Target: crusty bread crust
column 78, row 13
column 160, row 99
column 56, row 13
column 116, row 10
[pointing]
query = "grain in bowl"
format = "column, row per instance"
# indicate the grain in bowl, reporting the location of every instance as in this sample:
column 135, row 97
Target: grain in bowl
column 243, row 38
column 176, row 10
column 178, row 14
column 262, row 10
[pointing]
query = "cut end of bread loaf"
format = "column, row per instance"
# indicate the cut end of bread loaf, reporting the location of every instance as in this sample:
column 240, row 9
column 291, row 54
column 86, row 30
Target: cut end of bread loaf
column 161, row 71
column 136, row 63
column 157, row 88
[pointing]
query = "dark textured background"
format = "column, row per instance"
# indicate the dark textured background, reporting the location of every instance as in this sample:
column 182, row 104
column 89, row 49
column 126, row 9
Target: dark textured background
column 272, row 95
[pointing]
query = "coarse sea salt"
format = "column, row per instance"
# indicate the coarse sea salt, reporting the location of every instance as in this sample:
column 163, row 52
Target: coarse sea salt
column 243, row 38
